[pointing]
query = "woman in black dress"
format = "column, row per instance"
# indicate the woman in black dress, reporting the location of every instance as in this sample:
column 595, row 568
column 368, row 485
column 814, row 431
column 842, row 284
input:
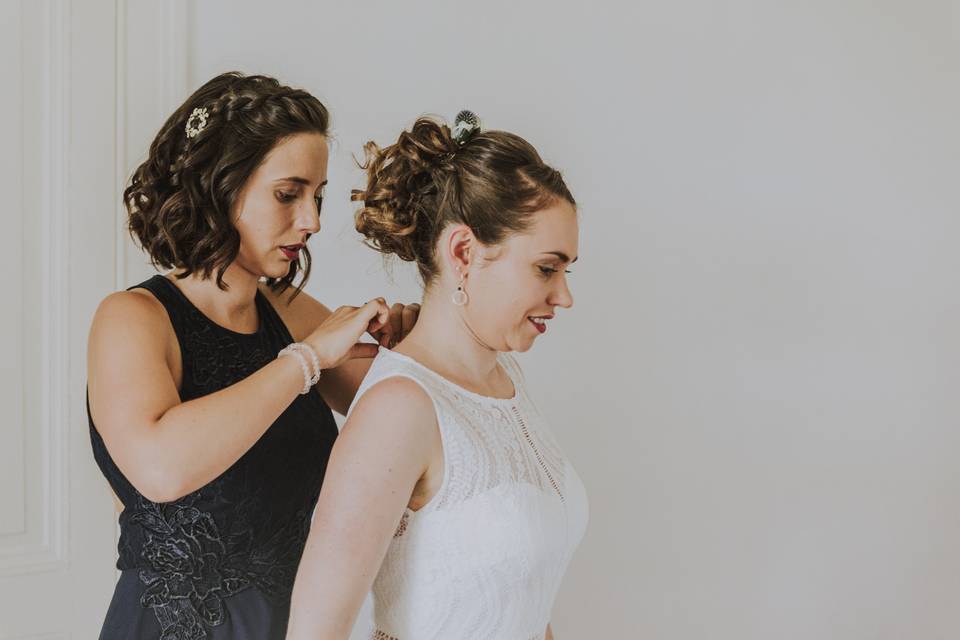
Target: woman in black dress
column 213, row 434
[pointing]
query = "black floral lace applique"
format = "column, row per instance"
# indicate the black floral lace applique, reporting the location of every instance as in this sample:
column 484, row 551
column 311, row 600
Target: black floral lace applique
column 188, row 575
column 190, row 567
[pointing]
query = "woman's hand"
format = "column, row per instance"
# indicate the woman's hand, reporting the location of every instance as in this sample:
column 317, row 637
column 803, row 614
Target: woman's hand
column 335, row 340
column 401, row 321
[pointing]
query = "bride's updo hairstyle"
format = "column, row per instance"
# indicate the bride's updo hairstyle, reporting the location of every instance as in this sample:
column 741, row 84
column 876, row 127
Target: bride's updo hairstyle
column 491, row 181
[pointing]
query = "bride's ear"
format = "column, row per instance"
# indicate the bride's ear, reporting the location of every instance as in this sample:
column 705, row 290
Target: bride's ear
column 461, row 249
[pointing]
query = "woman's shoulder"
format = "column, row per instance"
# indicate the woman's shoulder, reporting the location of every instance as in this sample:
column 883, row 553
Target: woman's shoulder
column 136, row 307
column 401, row 373
column 391, row 365
column 132, row 322
column 396, row 402
column 398, row 391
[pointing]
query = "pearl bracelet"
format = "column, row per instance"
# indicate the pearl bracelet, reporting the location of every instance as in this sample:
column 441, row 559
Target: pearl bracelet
column 303, row 347
column 297, row 349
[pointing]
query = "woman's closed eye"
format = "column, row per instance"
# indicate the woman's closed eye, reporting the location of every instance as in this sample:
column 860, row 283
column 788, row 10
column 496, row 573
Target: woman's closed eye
column 286, row 196
column 549, row 271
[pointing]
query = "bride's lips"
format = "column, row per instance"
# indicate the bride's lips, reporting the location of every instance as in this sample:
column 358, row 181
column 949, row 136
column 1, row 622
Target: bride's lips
column 539, row 322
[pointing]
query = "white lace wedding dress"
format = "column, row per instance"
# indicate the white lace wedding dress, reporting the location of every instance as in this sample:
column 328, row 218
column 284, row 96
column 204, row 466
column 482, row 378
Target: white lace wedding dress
column 483, row 560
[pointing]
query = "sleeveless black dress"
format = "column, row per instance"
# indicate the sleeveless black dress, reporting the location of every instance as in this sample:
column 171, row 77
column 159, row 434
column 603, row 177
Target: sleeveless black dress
column 220, row 562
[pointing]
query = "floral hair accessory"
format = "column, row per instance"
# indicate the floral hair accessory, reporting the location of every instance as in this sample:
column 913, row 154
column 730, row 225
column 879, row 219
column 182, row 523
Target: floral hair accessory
column 197, row 121
column 465, row 126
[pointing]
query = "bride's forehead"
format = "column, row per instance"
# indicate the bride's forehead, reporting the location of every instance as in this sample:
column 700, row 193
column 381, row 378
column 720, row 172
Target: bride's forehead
column 554, row 229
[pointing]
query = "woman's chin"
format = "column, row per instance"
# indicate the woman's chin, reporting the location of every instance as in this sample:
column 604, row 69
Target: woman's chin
column 276, row 271
column 521, row 346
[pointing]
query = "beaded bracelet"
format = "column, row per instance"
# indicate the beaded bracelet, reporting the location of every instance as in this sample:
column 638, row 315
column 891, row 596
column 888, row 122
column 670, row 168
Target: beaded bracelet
column 306, row 348
column 289, row 351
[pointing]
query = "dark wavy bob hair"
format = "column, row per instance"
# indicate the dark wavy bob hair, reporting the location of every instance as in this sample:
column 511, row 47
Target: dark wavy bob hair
column 179, row 200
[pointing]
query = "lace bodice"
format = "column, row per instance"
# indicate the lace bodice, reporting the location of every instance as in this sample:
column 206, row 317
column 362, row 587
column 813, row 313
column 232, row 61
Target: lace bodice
column 483, row 560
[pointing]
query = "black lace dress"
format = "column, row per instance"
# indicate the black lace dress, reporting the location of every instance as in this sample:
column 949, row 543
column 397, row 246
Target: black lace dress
column 220, row 562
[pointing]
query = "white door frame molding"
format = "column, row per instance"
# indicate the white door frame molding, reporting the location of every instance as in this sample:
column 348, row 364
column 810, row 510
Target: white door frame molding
column 96, row 80
column 43, row 545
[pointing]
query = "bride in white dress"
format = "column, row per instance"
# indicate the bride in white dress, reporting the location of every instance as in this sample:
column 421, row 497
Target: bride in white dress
column 446, row 493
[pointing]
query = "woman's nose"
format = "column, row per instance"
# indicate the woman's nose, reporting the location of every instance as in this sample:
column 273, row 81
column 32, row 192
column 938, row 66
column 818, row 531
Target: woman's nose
column 309, row 219
column 562, row 296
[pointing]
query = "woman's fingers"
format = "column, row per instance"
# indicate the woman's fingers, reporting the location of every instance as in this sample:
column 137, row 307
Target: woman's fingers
column 396, row 322
column 401, row 320
column 383, row 312
column 335, row 340
column 362, row 350
column 377, row 315
column 408, row 318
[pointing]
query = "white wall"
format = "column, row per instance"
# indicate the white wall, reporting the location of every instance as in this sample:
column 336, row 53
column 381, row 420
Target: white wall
column 57, row 168
column 756, row 380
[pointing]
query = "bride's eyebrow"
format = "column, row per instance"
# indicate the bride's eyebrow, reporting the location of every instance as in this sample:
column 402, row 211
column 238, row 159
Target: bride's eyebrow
column 560, row 254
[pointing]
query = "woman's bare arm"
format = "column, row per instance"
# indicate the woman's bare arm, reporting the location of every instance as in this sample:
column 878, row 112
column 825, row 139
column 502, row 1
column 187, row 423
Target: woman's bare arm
column 168, row 448
column 385, row 447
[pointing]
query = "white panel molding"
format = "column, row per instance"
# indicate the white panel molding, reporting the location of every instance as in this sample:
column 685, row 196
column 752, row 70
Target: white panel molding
column 47, row 550
column 174, row 57
column 152, row 36
column 120, row 144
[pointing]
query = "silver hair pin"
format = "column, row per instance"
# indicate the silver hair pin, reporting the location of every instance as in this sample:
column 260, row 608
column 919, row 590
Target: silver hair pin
column 197, row 121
